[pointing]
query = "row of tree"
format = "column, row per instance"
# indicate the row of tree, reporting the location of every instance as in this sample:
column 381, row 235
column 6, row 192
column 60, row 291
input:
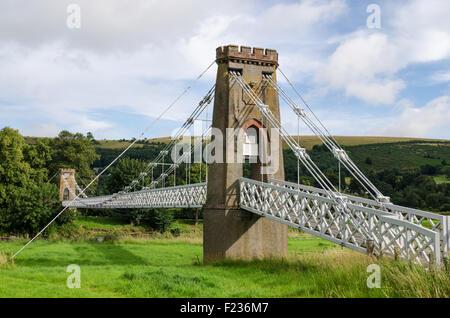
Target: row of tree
column 29, row 195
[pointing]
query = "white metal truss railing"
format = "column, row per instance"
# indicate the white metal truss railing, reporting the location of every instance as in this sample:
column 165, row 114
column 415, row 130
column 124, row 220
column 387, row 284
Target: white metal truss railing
column 184, row 196
column 408, row 241
column 436, row 222
column 353, row 226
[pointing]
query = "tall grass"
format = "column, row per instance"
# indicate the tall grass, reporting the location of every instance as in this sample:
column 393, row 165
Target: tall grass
column 339, row 273
column 5, row 262
column 398, row 279
column 162, row 265
column 3, row 259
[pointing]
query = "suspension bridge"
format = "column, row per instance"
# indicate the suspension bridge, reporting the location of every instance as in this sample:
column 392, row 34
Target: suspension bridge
column 248, row 217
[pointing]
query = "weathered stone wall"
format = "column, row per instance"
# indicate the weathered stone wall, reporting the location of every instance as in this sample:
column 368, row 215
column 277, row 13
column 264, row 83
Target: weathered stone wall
column 68, row 173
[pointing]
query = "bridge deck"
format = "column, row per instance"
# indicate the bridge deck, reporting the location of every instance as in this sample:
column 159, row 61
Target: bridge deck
column 359, row 224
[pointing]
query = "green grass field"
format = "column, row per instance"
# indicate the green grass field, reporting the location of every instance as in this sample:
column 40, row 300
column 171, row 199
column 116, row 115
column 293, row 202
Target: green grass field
column 164, row 266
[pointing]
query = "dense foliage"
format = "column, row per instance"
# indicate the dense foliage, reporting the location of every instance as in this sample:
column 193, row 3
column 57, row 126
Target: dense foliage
column 157, row 219
column 74, row 151
column 29, row 195
column 27, row 200
column 124, row 173
column 405, row 171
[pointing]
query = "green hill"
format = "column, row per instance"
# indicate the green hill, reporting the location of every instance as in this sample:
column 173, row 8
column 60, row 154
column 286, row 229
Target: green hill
column 306, row 141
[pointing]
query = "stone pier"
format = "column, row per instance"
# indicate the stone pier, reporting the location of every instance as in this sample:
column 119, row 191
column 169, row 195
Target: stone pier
column 229, row 232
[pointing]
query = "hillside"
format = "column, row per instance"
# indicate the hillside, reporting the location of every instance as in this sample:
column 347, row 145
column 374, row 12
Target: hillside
column 306, row 141
column 384, row 152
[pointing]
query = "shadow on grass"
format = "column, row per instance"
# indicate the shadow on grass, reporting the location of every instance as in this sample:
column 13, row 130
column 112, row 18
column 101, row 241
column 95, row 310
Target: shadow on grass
column 92, row 253
column 270, row 266
column 117, row 255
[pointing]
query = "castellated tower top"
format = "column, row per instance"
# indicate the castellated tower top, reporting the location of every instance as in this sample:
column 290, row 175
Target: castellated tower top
column 246, row 55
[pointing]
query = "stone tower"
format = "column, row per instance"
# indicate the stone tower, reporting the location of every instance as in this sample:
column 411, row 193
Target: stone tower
column 64, row 192
column 230, row 232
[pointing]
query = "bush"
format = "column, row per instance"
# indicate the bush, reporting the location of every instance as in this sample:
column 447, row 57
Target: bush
column 139, row 217
column 175, row 232
column 161, row 220
column 26, row 211
column 157, row 219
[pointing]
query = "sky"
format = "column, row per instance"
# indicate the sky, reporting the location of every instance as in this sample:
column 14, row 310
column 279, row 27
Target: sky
column 128, row 60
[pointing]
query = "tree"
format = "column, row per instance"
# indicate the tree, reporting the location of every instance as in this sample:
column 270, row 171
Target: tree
column 157, row 219
column 161, row 220
column 39, row 156
column 331, row 175
column 124, row 173
column 90, row 136
column 195, row 172
column 428, row 169
column 74, row 151
column 14, row 170
column 27, row 203
column 446, row 171
column 355, row 186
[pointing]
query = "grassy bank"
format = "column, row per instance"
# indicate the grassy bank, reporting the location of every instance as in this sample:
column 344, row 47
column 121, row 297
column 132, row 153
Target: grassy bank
column 158, row 266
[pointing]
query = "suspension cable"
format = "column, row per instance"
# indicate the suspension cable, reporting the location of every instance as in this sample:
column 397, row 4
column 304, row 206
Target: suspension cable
column 298, row 151
column 118, row 157
column 328, row 141
column 181, row 131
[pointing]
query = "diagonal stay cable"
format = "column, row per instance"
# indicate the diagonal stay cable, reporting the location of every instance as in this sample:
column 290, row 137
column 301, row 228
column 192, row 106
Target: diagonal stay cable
column 180, row 132
column 330, row 142
column 180, row 159
column 118, row 157
column 309, row 164
column 326, row 140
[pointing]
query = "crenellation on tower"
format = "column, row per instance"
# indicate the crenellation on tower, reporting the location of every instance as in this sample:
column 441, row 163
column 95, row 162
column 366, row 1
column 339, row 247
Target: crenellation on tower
column 246, row 55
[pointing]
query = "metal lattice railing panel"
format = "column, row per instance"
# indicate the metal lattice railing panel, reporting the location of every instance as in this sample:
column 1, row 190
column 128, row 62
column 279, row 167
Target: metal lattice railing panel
column 354, row 226
column 435, row 222
column 185, row 196
column 395, row 231
column 408, row 241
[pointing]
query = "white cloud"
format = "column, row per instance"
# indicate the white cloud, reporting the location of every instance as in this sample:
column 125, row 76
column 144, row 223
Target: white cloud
column 433, row 119
column 41, row 130
column 129, row 58
column 422, row 29
column 375, row 91
column 363, row 67
column 440, row 77
column 365, row 63
column 136, row 58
